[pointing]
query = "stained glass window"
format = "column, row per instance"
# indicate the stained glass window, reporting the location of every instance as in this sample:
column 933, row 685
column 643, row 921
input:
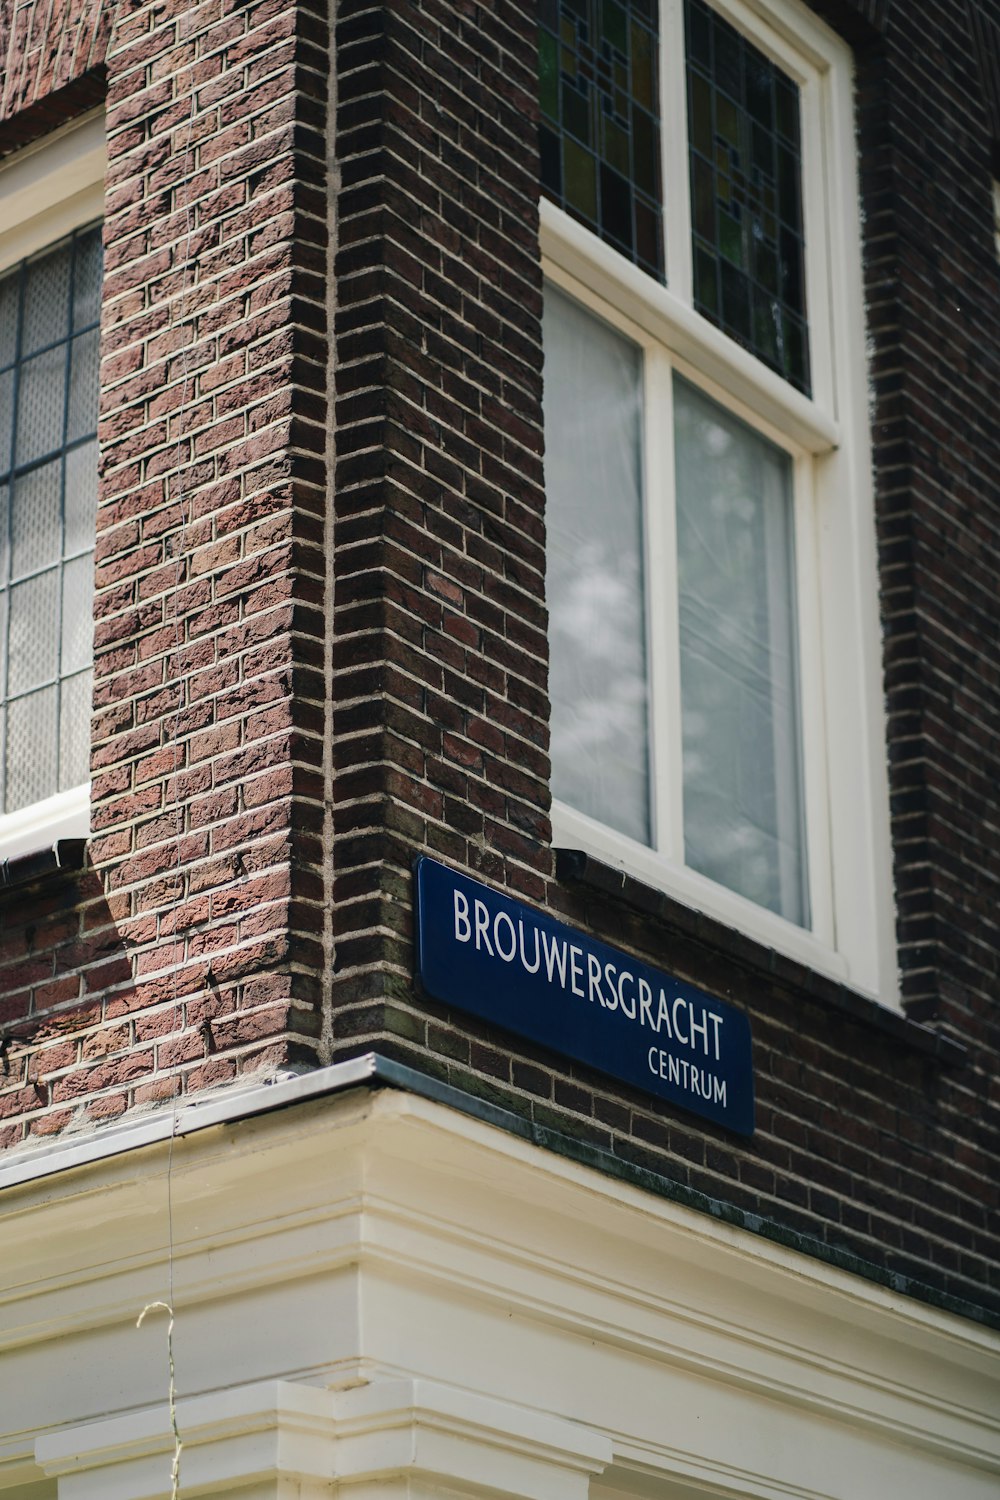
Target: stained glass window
column 600, row 132
column 49, row 312
column 746, row 194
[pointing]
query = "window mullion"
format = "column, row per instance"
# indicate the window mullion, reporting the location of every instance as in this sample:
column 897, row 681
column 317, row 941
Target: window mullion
column 8, row 522
column 676, row 171
column 815, row 215
column 812, row 695
column 666, row 770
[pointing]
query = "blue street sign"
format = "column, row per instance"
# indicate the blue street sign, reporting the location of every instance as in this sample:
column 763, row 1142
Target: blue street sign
column 505, row 962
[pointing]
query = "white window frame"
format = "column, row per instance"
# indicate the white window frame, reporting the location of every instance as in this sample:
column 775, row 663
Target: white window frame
column 46, row 191
column 852, row 936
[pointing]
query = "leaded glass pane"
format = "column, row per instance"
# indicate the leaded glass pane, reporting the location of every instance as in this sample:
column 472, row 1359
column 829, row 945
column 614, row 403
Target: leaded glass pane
column 33, row 634
column 600, row 130
column 744, row 825
column 87, row 278
column 9, row 287
column 746, row 194
column 6, row 419
column 595, row 585
column 49, row 308
column 74, row 729
column 77, row 614
column 36, row 535
column 81, row 498
column 41, row 405
column 83, row 374
column 32, row 748
column 46, row 299
column 4, row 601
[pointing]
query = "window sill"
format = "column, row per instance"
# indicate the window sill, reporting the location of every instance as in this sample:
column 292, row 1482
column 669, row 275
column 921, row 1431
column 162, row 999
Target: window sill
column 65, row 854
column 36, row 829
column 575, row 867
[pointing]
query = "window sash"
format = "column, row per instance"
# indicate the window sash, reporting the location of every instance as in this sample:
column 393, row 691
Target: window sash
column 843, row 713
column 662, row 861
column 780, row 37
column 48, row 191
column 49, row 353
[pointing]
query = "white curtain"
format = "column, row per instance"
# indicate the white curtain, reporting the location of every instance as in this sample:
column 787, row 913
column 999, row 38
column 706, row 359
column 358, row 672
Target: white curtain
column 743, row 817
column 597, row 630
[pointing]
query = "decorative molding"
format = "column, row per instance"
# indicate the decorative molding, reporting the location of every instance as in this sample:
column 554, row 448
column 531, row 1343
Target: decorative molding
column 46, row 190
column 380, row 1237
column 275, row 1430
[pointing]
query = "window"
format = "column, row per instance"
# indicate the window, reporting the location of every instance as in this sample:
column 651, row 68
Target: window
column 50, row 295
column 717, row 722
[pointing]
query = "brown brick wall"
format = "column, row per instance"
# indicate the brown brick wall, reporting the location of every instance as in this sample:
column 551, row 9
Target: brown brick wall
column 209, row 711
column 440, row 710
column 78, row 1049
column 51, row 64
column 209, row 728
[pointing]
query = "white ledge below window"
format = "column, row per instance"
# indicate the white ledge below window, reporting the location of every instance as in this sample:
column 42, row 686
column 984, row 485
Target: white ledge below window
column 574, row 830
column 30, row 829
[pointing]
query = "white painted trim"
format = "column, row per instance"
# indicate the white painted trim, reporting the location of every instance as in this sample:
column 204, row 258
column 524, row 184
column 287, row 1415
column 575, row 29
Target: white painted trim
column 51, row 188
column 574, row 830
column 242, row 1101
column 788, row 32
column 662, row 595
column 442, row 1283
column 29, row 829
column 459, row 1439
column 575, row 258
column 815, row 729
column 414, row 1429
column 864, row 894
column 676, row 166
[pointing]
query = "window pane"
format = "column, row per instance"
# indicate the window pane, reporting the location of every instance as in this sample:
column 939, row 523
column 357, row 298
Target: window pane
column 597, row 633
column 600, row 140
column 6, row 419
column 77, row 614
column 746, row 194
column 40, row 403
column 46, row 299
column 4, row 604
column 81, row 418
column 743, row 815
column 81, row 498
column 74, row 730
column 33, row 636
column 36, row 526
column 9, row 300
column 32, row 759
column 87, row 278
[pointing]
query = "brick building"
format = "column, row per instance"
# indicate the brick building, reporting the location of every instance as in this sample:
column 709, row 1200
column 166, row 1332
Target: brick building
column 652, row 1152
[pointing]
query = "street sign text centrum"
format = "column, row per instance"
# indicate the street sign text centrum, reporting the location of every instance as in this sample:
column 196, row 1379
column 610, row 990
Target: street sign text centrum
column 503, row 961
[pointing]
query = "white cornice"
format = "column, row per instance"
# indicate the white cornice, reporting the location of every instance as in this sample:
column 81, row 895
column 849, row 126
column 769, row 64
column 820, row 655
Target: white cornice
column 442, row 1248
column 414, row 1429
